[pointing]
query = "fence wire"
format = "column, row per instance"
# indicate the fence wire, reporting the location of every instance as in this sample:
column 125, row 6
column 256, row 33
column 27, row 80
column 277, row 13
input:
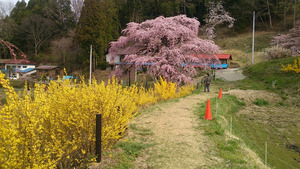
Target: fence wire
column 262, row 150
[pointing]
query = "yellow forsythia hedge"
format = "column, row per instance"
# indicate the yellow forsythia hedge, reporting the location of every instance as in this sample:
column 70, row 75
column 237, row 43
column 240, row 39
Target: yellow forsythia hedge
column 292, row 67
column 56, row 127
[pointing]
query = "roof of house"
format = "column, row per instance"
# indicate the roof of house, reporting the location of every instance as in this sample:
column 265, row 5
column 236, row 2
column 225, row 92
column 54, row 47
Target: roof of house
column 219, row 56
column 224, row 56
column 25, row 70
column 46, row 67
column 4, row 60
column 19, row 61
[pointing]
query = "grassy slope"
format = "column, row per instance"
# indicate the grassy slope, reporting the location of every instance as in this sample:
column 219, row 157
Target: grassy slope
column 287, row 84
column 241, row 46
column 278, row 124
column 229, row 149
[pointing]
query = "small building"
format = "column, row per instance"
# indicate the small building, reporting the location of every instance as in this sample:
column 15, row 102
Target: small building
column 224, row 58
column 49, row 71
column 2, row 64
column 18, row 68
column 116, row 60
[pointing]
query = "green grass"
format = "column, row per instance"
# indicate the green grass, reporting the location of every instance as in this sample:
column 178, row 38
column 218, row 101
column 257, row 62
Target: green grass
column 228, row 149
column 274, row 123
column 132, row 148
column 240, row 47
column 261, row 102
column 267, row 72
column 141, row 131
column 127, row 152
column 243, row 42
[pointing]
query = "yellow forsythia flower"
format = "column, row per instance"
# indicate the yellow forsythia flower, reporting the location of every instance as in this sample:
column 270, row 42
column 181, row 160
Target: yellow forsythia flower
column 39, row 128
column 292, row 67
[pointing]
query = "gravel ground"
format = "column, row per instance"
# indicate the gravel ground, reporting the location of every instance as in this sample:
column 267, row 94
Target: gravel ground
column 232, row 74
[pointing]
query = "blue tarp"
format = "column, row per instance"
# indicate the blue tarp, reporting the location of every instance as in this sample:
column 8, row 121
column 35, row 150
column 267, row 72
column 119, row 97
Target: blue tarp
column 21, row 71
column 25, row 70
column 213, row 66
column 68, row 77
column 224, row 66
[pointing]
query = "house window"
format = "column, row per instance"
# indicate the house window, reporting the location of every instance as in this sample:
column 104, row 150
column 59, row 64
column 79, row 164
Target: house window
column 40, row 70
column 122, row 58
column 14, row 66
column 19, row 66
column 24, row 66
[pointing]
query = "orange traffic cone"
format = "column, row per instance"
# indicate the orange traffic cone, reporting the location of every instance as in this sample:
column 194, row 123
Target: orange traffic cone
column 220, row 93
column 208, row 111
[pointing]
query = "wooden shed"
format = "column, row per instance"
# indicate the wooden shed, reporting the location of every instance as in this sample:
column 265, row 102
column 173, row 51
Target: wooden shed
column 224, row 58
column 49, row 71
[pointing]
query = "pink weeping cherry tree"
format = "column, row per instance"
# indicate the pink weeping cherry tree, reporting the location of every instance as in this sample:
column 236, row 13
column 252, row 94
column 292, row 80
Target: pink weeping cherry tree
column 12, row 49
column 291, row 40
column 167, row 46
column 216, row 16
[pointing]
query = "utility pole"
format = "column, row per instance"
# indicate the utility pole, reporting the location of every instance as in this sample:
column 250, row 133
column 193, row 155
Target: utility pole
column 252, row 58
column 135, row 73
column 91, row 56
column 266, row 155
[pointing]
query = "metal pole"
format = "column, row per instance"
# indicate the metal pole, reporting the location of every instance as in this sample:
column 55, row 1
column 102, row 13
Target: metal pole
column 146, row 82
column 98, row 137
column 252, row 59
column 129, row 78
column 266, row 156
column 230, row 127
column 135, row 73
column 216, row 106
column 91, row 56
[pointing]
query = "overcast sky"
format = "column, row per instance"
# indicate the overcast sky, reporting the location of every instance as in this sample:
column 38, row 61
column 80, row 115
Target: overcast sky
column 12, row 1
column 7, row 5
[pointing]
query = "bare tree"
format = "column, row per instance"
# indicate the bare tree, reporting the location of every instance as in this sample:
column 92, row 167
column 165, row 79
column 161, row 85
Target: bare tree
column 295, row 4
column 269, row 13
column 76, row 6
column 39, row 30
column 62, row 47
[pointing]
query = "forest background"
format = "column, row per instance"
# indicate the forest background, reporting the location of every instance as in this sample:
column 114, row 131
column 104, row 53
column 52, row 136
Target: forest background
column 60, row 32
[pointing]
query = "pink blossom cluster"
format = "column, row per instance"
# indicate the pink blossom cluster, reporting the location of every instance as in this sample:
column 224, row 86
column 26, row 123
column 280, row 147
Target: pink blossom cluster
column 12, row 49
column 290, row 40
column 217, row 16
column 167, row 46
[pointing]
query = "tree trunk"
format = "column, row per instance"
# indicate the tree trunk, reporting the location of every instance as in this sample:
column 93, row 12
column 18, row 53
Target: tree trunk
column 295, row 12
column 284, row 15
column 94, row 64
column 64, row 58
column 269, row 13
column 35, row 51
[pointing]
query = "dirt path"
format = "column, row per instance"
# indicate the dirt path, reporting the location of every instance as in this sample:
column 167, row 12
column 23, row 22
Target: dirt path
column 232, row 74
column 178, row 144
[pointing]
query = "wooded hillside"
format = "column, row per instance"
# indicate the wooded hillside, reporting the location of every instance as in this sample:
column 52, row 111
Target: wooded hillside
column 61, row 31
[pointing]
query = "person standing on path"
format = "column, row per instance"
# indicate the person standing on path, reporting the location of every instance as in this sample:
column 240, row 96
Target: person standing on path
column 207, row 81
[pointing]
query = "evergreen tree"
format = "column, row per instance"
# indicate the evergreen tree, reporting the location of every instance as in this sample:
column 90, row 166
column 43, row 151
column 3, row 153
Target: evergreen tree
column 59, row 11
column 97, row 26
column 19, row 12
